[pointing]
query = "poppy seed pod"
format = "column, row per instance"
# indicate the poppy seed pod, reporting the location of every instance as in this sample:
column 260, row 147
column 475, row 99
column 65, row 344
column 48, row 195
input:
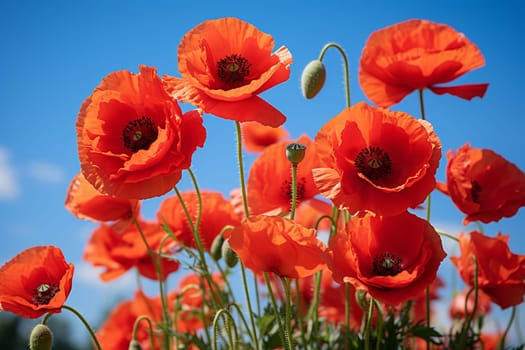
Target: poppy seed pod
column 229, row 256
column 216, row 247
column 313, row 78
column 295, row 152
column 41, row 338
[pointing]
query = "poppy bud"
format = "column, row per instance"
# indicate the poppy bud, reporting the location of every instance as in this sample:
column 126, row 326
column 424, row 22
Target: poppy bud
column 41, row 338
column 313, row 78
column 229, row 256
column 134, row 345
column 362, row 298
column 216, row 247
column 295, row 152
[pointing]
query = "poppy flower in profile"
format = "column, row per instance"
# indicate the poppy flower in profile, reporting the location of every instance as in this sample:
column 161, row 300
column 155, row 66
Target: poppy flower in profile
column 225, row 63
column 373, row 255
column 501, row 274
column 275, row 196
column 483, row 185
column 415, row 55
column 35, row 282
column 376, row 160
column 276, row 244
column 118, row 251
column 256, row 136
column 133, row 139
column 217, row 212
column 85, row 202
column 117, row 329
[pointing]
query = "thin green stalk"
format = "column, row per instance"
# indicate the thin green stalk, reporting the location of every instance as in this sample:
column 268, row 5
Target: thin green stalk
column 345, row 66
column 501, row 343
column 228, row 321
column 275, row 309
column 470, row 316
column 86, row 324
column 150, row 329
column 288, row 312
column 294, row 191
column 158, row 269
column 368, row 328
column 299, row 311
column 246, row 214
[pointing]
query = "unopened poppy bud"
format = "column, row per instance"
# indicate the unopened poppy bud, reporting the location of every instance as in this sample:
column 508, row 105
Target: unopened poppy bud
column 295, row 153
column 230, row 257
column 313, row 78
column 41, row 338
column 216, row 247
column 134, row 345
column 362, row 299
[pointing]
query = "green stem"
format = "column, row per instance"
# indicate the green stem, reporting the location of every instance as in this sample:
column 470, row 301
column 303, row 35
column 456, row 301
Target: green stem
column 421, row 104
column 501, row 343
column 448, row 235
column 345, row 66
column 299, row 311
column 150, row 327
column 158, row 269
column 246, row 214
column 294, row 191
column 368, row 328
column 228, row 322
column 275, row 309
column 287, row 312
column 86, row 324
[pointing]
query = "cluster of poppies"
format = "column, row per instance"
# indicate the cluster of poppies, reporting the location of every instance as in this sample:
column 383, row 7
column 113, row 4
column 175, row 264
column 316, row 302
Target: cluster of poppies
column 335, row 216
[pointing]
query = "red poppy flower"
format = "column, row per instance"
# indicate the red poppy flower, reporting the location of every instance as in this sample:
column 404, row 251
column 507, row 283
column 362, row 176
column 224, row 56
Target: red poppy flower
column 256, row 136
column 119, row 251
column 483, row 184
column 501, row 274
column 85, row 202
column 373, row 255
column 274, row 197
column 35, row 282
column 116, row 331
column 133, row 139
column 376, row 160
column 414, row 55
column 279, row 245
column 225, row 63
column 217, row 213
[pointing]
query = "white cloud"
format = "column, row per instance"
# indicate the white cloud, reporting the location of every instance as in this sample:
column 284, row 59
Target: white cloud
column 46, row 172
column 8, row 182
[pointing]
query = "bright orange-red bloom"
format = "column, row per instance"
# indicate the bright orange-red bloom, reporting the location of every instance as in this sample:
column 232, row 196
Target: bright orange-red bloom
column 256, row 136
column 85, row 202
column 119, row 251
column 116, row 331
column 416, row 55
column 279, row 245
column 217, row 213
column 270, row 178
column 133, row 139
column 376, row 160
column 35, row 282
column 225, row 63
column 501, row 274
column 372, row 254
column 483, row 184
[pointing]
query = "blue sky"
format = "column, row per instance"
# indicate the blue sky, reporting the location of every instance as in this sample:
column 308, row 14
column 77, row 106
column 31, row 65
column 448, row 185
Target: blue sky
column 54, row 53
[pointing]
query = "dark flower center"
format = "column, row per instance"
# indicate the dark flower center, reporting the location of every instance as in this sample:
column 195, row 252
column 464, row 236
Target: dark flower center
column 232, row 70
column 287, row 188
column 43, row 294
column 387, row 264
column 139, row 134
column 474, row 191
column 373, row 162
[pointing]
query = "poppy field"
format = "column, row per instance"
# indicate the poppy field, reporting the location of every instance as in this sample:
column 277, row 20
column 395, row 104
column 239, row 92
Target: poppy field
column 328, row 240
